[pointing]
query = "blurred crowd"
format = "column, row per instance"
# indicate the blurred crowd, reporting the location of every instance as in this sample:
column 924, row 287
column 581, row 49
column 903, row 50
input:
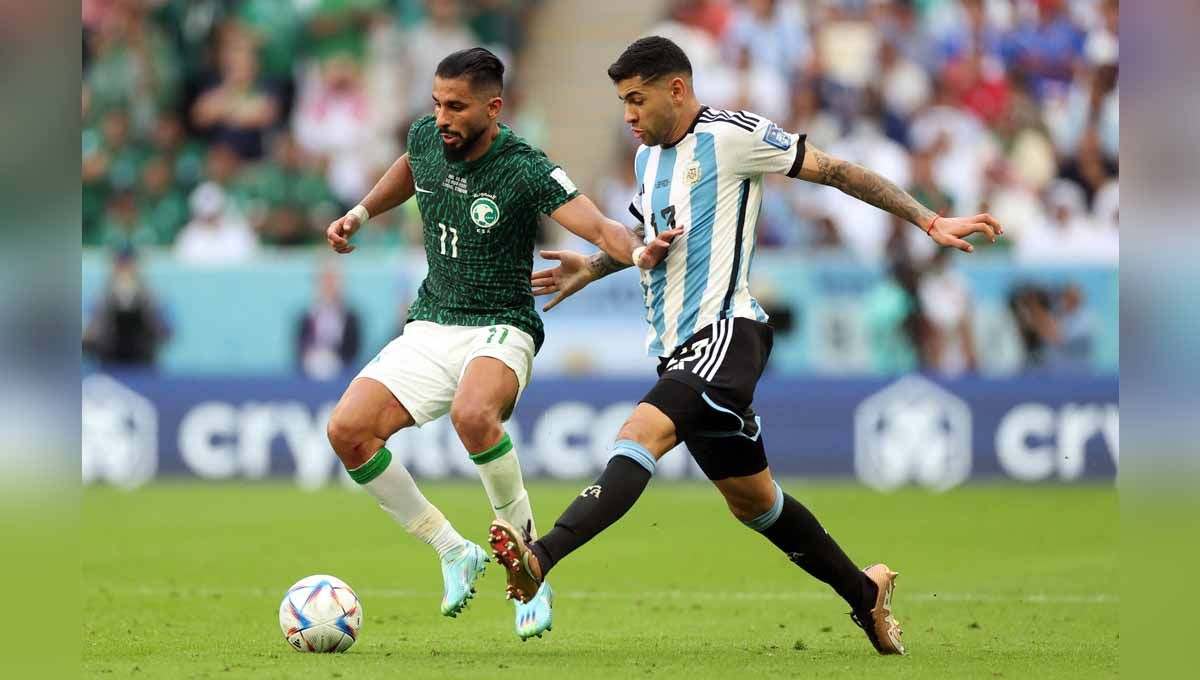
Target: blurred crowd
column 1003, row 106
column 217, row 126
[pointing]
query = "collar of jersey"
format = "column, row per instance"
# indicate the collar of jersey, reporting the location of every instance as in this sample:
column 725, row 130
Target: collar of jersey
column 497, row 143
column 691, row 128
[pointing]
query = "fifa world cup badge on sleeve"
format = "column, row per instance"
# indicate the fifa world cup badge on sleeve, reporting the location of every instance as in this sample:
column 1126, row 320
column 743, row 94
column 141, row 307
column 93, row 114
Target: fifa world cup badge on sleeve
column 777, row 138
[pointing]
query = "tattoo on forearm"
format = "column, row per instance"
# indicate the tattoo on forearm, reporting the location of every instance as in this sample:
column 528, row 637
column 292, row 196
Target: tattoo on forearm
column 603, row 264
column 871, row 187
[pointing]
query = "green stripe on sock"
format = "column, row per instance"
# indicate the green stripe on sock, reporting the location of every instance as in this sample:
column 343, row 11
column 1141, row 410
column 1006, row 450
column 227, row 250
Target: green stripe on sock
column 503, row 447
column 372, row 468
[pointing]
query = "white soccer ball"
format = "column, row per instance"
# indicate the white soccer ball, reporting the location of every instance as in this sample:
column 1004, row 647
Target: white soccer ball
column 320, row 614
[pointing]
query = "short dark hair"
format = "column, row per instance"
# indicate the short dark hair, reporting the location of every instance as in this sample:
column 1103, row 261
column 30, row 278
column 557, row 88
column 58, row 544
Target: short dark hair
column 478, row 65
column 650, row 58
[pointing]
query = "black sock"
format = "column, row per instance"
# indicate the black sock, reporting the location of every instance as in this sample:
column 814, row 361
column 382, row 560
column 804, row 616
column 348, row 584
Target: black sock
column 597, row 507
column 802, row 538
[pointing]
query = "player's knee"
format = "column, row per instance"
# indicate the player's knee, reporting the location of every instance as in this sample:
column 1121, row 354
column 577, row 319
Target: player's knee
column 749, row 504
column 474, row 424
column 652, row 430
column 349, row 437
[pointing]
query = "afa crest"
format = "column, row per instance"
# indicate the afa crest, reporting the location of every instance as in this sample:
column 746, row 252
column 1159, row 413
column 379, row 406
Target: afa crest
column 692, row 175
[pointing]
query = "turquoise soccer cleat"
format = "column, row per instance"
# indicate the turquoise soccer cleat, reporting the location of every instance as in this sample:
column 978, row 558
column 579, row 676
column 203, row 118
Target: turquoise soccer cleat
column 535, row 617
column 460, row 568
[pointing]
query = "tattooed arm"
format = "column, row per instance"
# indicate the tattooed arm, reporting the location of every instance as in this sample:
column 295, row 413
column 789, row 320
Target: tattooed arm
column 602, row 264
column 877, row 190
column 576, row 270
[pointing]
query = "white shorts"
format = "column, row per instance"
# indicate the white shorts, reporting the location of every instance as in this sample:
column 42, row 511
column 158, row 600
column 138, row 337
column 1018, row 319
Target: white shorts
column 423, row 367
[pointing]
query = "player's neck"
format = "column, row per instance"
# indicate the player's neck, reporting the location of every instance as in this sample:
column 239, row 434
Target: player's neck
column 685, row 124
column 484, row 143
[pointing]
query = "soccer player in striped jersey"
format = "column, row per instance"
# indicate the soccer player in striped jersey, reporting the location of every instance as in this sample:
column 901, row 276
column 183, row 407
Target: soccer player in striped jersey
column 699, row 177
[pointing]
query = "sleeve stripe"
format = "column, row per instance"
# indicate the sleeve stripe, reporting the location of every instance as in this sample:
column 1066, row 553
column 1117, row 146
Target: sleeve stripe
column 742, row 115
column 636, row 213
column 709, row 117
column 800, row 150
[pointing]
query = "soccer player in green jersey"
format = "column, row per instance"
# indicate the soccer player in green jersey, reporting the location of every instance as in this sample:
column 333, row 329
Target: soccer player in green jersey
column 472, row 331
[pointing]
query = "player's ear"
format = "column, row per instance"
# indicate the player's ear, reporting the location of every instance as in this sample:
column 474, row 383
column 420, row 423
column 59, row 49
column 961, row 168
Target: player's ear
column 678, row 90
column 494, row 105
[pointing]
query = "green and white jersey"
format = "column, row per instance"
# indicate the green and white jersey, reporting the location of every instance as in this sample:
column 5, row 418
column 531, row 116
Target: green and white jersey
column 480, row 219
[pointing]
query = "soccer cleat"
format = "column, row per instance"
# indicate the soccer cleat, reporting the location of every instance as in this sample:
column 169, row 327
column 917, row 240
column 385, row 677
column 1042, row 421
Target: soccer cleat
column 512, row 552
column 535, row 617
column 883, row 630
column 460, row 568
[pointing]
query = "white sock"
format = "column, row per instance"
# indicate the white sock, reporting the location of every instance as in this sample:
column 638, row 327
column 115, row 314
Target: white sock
column 500, row 473
column 391, row 484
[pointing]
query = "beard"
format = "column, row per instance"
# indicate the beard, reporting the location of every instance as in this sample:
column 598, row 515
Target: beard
column 463, row 150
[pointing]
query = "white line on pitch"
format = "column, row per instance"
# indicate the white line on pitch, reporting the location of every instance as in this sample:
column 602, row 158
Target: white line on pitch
column 1038, row 598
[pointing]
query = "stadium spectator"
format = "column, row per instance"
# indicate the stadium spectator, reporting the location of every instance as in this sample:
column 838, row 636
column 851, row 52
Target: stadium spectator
column 218, row 232
column 846, row 46
column 895, row 325
column 1068, row 235
column 161, row 202
column 291, row 192
column 1056, row 328
column 960, row 144
column 863, row 227
column 1046, row 47
column 925, row 189
column 905, row 87
column 239, row 109
column 774, row 31
column 1071, row 348
column 946, row 304
column 126, row 328
column 442, row 33
column 759, row 89
column 331, row 121
column 976, row 26
column 133, row 65
column 500, row 23
column 328, row 335
column 618, row 188
column 122, row 225
column 711, row 16
column 223, row 168
column 186, row 154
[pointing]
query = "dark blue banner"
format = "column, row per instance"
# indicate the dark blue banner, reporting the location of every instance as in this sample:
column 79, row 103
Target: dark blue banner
column 888, row 434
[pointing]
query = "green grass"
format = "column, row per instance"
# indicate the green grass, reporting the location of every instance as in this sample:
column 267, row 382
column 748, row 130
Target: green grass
column 184, row 580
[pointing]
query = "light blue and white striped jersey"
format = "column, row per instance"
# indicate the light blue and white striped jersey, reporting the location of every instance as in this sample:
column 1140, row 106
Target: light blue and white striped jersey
column 710, row 183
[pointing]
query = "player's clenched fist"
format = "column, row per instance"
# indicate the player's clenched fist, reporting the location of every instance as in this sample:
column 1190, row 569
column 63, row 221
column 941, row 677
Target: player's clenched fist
column 339, row 232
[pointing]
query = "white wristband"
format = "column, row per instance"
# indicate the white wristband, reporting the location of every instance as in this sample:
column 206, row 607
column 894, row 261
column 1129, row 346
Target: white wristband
column 361, row 213
column 637, row 255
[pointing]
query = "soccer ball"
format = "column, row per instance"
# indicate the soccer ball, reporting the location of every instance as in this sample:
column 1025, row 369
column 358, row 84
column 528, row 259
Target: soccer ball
column 320, row 614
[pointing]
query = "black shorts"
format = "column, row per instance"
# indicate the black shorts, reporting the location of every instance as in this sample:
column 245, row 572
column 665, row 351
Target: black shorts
column 706, row 387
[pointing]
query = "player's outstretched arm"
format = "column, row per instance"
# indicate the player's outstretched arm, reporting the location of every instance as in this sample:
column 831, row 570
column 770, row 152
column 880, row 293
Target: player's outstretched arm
column 575, row 270
column 871, row 187
column 395, row 187
column 581, row 217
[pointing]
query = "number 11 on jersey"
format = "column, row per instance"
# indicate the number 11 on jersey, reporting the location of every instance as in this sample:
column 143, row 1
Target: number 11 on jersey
column 453, row 240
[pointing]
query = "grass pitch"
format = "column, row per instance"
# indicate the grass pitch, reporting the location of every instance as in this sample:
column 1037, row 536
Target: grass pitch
column 184, row 581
